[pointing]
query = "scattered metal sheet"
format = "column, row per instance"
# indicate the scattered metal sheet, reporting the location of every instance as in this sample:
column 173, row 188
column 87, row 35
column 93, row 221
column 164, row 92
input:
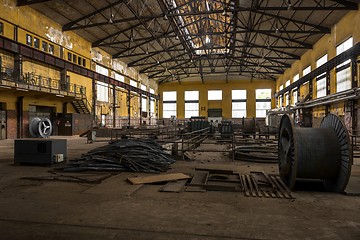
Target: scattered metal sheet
column 260, row 184
column 214, row 170
column 89, row 178
column 216, row 182
column 199, row 178
column 177, row 186
column 194, row 189
column 158, row 178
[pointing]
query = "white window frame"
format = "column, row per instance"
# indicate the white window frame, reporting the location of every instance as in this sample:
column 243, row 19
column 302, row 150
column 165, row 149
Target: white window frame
column 343, row 75
column 306, row 70
column 294, row 96
column 102, row 70
column 263, row 103
column 191, row 104
column 102, row 92
column 119, row 77
column 144, row 99
column 169, row 104
column 296, row 78
column 152, row 102
column 287, row 83
column 214, row 95
column 238, row 104
column 321, row 79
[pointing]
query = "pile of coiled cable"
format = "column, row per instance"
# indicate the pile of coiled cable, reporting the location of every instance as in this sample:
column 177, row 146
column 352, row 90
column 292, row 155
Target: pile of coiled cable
column 124, row 155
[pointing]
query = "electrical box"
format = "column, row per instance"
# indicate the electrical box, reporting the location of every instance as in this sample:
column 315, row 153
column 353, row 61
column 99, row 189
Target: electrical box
column 40, row 151
column 59, row 158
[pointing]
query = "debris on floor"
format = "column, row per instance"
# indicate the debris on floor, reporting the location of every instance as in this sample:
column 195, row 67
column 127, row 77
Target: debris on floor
column 260, row 184
column 353, row 187
column 216, row 181
column 177, row 186
column 255, row 184
column 131, row 155
column 257, row 153
column 158, row 178
column 83, row 178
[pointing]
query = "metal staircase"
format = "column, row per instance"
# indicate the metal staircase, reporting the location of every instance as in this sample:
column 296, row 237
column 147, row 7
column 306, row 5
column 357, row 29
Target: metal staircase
column 81, row 106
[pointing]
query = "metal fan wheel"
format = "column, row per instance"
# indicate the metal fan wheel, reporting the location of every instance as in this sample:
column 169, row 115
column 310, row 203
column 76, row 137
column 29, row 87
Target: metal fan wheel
column 315, row 153
column 40, row 127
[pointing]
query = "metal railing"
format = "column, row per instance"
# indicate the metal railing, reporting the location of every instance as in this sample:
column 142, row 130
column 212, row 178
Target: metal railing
column 30, row 81
column 192, row 140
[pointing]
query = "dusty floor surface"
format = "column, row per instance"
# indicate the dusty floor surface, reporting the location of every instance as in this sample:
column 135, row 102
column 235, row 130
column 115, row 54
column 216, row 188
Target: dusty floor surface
column 115, row 209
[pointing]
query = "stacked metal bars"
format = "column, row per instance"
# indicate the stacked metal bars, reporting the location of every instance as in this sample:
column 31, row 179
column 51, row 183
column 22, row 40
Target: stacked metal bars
column 260, row 184
column 124, row 155
column 255, row 184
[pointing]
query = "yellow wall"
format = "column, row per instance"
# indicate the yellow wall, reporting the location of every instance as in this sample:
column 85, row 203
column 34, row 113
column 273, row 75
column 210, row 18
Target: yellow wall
column 37, row 25
column 30, row 66
column 83, row 81
column 27, row 18
column 7, row 61
column 225, row 104
column 348, row 26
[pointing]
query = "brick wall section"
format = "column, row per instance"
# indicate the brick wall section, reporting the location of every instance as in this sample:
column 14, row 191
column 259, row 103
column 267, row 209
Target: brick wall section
column 11, row 122
column 26, row 133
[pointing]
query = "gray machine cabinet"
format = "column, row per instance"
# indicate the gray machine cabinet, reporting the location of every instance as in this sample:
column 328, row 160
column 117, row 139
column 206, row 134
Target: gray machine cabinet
column 39, row 151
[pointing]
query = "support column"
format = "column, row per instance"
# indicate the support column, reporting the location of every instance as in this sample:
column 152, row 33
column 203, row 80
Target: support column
column 149, row 111
column 140, row 108
column 128, row 98
column 114, row 107
column 18, row 67
column 93, row 107
column 65, row 108
column 354, row 84
column 20, row 116
column 327, row 106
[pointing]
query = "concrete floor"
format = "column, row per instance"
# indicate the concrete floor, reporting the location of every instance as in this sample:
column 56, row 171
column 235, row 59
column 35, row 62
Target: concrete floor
column 115, row 209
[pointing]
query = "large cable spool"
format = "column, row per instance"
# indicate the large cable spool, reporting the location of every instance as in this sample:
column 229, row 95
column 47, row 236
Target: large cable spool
column 40, row 127
column 315, row 153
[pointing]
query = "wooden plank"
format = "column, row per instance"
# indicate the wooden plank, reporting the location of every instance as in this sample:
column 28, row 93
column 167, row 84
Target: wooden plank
column 285, row 187
column 256, row 186
column 177, row 186
column 246, row 189
column 281, row 190
column 251, row 186
column 158, row 178
column 266, row 194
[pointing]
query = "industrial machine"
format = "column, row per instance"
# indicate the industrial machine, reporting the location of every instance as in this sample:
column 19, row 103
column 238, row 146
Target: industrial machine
column 40, row 149
column 197, row 123
column 226, row 129
column 322, row 153
column 40, row 127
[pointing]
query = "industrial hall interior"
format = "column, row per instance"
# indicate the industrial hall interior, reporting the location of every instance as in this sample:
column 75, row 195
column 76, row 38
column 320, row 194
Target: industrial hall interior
column 180, row 119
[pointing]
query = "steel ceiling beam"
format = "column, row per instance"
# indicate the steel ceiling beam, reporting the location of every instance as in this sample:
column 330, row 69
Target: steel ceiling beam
column 21, row 3
column 69, row 25
column 114, row 35
column 113, row 22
